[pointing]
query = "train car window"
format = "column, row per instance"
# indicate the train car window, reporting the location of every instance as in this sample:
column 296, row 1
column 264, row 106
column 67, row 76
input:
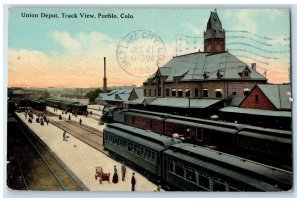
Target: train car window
column 125, row 143
column 130, row 147
column 203, row 180
column 171, row 166
column 218, row 184
column 154, row 157
column 179, row 170
column 148, row 154
column 142, row 151
column 234, row 188
column 190, row 174
column 137, row 149
column 105, row 136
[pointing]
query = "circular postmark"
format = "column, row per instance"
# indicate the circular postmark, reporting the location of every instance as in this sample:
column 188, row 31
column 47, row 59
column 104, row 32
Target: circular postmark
column 140, row 53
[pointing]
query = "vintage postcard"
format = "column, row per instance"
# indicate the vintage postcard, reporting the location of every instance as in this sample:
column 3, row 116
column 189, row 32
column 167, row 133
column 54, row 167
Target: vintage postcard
column 149, row 99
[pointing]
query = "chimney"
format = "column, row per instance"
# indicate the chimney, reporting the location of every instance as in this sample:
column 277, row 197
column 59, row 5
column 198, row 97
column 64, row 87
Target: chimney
column 104, row 78
column 253, row 65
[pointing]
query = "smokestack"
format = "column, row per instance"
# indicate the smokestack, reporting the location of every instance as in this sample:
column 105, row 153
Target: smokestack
column 104, row 78
column 253, row 66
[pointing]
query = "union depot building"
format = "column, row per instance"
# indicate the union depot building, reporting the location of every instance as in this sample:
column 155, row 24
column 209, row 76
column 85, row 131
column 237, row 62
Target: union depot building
column 212, row 74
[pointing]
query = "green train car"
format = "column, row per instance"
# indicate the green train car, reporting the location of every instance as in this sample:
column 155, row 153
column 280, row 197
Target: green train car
column 188, row 167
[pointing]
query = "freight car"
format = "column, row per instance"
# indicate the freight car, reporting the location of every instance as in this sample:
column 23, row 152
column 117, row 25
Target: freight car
column 183, row 166
column 270, row 146
column 67, row 105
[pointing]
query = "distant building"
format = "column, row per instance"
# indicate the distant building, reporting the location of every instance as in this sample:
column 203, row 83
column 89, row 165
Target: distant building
column 266, row 105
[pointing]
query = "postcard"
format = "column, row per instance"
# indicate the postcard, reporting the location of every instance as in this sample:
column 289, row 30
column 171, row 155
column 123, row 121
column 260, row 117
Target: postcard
column 149, row 99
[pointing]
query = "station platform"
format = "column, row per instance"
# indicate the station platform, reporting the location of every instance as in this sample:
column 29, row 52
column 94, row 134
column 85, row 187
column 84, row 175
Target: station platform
column 82, row 159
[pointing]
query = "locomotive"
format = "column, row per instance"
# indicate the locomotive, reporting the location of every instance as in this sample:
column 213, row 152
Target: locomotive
column 189, row 167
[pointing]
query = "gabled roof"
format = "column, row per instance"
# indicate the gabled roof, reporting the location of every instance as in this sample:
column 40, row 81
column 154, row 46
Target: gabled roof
column 236, row 101
column 120, row 95
column 278, row 94
column 193, row 66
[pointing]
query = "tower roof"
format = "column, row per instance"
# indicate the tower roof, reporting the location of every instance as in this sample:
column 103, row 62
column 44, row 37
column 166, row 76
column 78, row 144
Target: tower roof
column 214, row 27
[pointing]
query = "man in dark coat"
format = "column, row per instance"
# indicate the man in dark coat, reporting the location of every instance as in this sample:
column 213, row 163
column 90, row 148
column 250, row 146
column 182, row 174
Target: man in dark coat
column 133, row 182
column 123, row 171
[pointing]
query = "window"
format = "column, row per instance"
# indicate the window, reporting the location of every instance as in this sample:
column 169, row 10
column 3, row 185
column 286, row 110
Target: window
column 205, row 92
column 234, row 91
column 149, row 92
column 148, row 154
column 130, row 147
column 171, row 168
column 159, row 91
column 203, row 180
column 154, row 157
column 167, row 92
column 218, row 93
column 187, row 92
column 196, row 92
column 136, row 149
column 246, row 91
column 190, row 174
column 154, row 92
column 218, row 185
column 173, row 92
column 234, row 188
column 179, row 170
column 246, row 74
column 145, row 92
column 142, row 151
column 179, row 92
column 256, row 98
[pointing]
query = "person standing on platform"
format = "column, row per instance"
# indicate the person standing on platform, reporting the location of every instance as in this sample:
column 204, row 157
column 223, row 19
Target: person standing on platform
column 64, row 135
column 115, row 177
column 80, row 121
column 47, row 121
column 133, row 182
column 69, row 117
column 123, row 171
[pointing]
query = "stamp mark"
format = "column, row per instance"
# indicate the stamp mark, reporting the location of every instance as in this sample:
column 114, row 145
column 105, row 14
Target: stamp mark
column 140, row 53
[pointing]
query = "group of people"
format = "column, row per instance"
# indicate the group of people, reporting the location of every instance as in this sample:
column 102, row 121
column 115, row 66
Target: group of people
column 123, row 172
column 41, row 118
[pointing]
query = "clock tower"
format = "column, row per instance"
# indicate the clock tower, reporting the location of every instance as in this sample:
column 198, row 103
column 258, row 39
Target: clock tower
column 214, row 36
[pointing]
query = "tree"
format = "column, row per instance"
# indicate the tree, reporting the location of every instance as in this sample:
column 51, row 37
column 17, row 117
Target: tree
column 92, row 95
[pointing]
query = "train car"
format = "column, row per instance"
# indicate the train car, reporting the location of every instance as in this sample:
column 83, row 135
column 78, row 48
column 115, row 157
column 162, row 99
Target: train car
column 36, row 104
column 141, row 148
column 78, row 109
column 193, row 168
column 145, row 120
column 67, row 105
column 270, row 146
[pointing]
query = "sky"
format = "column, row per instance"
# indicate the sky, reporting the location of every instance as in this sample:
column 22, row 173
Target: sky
column 68, row 52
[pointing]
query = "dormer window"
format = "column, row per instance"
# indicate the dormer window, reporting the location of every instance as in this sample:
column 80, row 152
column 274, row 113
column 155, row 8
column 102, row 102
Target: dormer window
column 246, row 74
column 219, row 75
column 205, row 76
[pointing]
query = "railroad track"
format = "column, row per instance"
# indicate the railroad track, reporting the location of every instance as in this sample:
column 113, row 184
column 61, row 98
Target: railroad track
column 40, row 168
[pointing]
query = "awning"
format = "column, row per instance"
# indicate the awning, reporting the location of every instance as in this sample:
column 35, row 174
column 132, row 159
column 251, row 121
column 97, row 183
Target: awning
column 218, row 90
column 204, row 89
column 179, row 90
column 187, row 90
column 173, row 89
column 246, row 89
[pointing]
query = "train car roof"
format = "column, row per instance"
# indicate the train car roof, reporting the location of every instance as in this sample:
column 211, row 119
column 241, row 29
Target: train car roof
column 215, row 127
column 229, row 165
column 154, row 140
column 143, row 115
column 148, row 112
column 267, row 131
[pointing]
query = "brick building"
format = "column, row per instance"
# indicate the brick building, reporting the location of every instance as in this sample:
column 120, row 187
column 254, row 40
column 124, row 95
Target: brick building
column 266, row 105
column 212, row 74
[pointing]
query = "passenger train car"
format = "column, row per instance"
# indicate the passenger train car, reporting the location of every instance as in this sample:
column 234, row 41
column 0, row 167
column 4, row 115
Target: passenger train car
column 36, row 104
column 183, row 166
column 269, row 146
column 70, row 106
